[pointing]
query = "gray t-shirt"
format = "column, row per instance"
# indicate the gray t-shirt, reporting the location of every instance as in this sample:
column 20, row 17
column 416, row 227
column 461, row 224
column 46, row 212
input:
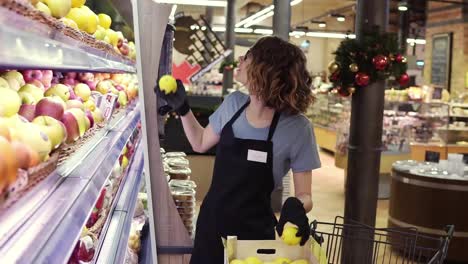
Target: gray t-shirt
column 294, row 144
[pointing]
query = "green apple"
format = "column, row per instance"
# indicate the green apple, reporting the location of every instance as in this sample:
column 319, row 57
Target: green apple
column 83, row 91
column 54, row 129
column 4, row 83
column 100, row 33
column 14, row 75
column 59, row 90
column 33, row 90
column 122, row 99
column 32, row 135
column 58, row 8
column 80, row 119
column 10, row 102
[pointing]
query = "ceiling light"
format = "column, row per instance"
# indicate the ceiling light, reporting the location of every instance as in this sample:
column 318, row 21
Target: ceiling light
column 295, row 2
column 254, row 16
column 218, row 29
column 329, row 35
column 191, row 2
column 297, row 33
column 413, row 41
column 340, row 18
column 402, row 6
column 263, row 31
column 322, row 24
column 243, row 30
column 259, row 19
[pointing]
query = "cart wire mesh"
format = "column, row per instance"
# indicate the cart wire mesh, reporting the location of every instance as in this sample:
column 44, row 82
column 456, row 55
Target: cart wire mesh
column 347, row 241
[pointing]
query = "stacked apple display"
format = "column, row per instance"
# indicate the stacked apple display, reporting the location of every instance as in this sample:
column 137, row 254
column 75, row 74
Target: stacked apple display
column 85, row 248
column 42, row 110
column 75, row 14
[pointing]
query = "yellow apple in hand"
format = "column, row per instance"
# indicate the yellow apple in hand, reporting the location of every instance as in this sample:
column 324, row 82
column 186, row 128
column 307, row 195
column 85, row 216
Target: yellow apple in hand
column 168, row 84
column 289, row 236
column 253, row 260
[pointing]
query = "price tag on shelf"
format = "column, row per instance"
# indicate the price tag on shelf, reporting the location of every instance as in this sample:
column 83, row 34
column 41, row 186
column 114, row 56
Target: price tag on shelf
column 97, row 97
column 107, row 105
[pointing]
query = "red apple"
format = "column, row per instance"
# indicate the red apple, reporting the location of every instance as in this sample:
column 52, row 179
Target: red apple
column 92, row 85
column 70, row 82
column 31, row 75
column 92, row 218
column 124, row 49
column 72, row 127
column 23, row 154
column 119, row 87
column 50, row 106
column 86, row 250
column 72, row 93
column 86, row 76
column 28, row 111
column 71, row 75
column 90, row 117
column 47, row 76
column 100, row 200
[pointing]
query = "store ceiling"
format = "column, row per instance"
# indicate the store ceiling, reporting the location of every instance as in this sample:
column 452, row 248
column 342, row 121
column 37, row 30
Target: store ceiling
column 318, row 10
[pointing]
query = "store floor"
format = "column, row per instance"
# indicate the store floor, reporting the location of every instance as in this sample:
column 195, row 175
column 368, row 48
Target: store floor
column 328, row 193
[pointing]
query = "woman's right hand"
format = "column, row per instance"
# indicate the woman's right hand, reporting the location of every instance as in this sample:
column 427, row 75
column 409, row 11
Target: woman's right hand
column 175, row 101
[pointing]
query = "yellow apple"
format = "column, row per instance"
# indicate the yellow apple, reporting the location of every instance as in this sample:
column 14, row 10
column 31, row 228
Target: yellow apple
column 59, row 90
column 33, row 2
column 36, row 92
column 78, row 3
column 4, row 83
column 43, row 8
column 32, row 135
column 122, row 99
column 14, row 75
column 113, row 37
column 97, row 115
column 83, row 91
column 253, row 260
column 90, row 105
column 282, row 261
column 10, row 102
column 79, row 16
column 93, row 20
column 167, row 84
column 124, row 163
column 237, row 261
column 289, row 236
column 69, row 22
column 80, row 117
column 54, row 129
column 100, row 33
column 58, row 8
column 105, row 21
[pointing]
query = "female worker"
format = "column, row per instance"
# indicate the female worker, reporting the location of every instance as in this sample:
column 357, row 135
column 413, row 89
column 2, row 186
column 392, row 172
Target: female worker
column 259, row 138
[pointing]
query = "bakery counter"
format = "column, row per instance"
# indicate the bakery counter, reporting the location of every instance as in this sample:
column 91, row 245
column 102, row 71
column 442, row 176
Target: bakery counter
column 429, row 199
column 418, row 150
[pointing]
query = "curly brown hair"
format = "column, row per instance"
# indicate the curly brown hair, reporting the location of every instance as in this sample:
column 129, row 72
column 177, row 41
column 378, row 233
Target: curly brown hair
column 277, row 74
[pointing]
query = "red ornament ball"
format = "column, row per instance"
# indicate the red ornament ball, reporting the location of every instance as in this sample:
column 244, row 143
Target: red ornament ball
column 380, row 62
column 362, row 79
column 335, row 76
column 404, row 79
column 399, row 58
column 344, row 92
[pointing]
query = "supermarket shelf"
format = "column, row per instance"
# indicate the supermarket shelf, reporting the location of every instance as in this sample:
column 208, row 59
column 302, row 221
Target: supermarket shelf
column 27, row 44
column 114, row 246
column 459, row 116
column 48, row 230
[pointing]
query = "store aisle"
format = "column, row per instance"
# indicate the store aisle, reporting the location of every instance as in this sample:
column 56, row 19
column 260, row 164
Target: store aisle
column 328, row 193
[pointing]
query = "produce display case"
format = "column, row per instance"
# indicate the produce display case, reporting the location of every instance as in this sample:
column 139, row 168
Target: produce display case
column 80, row 205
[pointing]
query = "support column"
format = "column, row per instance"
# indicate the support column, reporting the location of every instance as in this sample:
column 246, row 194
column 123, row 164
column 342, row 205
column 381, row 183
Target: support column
column 282, row 19
column 403, row 30
column 364, row 149
column 230, row 40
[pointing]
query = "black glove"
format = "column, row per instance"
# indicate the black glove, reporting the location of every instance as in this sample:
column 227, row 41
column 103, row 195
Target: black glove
column 293, row 211
column 175, row 101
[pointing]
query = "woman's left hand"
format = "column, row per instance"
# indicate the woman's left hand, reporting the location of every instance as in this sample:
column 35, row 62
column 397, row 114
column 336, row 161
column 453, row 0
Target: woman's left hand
column 293, row 211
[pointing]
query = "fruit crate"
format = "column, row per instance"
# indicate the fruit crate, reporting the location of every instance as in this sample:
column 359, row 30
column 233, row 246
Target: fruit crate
column 267, row 250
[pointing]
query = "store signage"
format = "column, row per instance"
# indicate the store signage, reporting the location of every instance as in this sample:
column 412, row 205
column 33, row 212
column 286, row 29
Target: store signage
column 441, row 60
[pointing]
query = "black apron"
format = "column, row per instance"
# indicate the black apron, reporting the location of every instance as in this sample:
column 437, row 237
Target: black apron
column 238, row 202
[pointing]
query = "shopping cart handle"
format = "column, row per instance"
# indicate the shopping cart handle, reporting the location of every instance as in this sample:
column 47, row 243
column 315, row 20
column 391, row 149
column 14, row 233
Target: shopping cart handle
column 450, row 229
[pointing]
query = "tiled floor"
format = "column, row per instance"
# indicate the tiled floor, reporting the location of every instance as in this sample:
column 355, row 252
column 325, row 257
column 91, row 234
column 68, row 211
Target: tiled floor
column 328, row 193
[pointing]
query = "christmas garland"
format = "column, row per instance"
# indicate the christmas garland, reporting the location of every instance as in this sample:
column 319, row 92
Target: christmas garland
column 360, row 63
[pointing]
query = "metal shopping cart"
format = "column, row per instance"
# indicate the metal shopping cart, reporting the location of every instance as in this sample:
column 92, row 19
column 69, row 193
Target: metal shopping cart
column 346, row 241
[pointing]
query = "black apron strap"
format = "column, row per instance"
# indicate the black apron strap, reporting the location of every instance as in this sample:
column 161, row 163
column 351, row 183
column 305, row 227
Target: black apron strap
column 273, row 125
column 237, row 114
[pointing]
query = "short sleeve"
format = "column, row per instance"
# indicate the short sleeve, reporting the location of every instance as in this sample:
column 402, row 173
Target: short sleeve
column 226, row 110
column 304, row 152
